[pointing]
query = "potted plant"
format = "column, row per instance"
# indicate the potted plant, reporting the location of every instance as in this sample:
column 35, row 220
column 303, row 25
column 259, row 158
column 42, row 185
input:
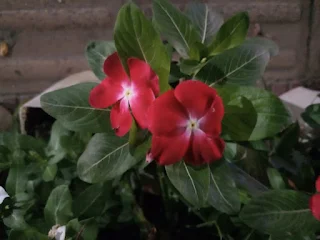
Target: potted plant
column 179, row 141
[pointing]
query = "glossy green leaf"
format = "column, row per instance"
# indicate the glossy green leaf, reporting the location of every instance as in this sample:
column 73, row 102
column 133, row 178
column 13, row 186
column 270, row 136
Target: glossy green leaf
column 135, row 36
column 14, row 141
column 55, row 149
column 288, row 139
column 15, row 221
column 231, row 34
column 106, row 157
column 254, row 162
column 16, row 180
column 58, row 209
column 230, row 151
column 92, row 201
column 223, row 193
column 50, row 173
column 280, row 212
column 96, row 54
column 71, row 107
column 89, row 228
column 139, row 141
column 243, row 65
column 246, row 182
column 175, row 27
column 311, row 115
column 206, row 21
column 275, row 179
column 191, row 67
column 267, row 116
column 193, row 184
column 28, row 234
column 259, row 145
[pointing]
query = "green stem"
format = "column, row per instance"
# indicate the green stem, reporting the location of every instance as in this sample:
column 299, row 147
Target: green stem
column 249, row 235
column 148, row 231
column 219, row 231
column 164, row 190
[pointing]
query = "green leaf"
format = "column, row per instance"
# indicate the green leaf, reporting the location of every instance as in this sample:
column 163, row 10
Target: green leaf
column 139, row 141
column 243, row 65
column 230, row 151
column 289, row 138
column 190, row 67
column 270, row 114
column 206, row 21
column 58, row 206
column 193, row 184
column 96, row 54
column 71, row 107
column 231, row 34
column 17, row 180
column 275, row 179
column 55, row 148
column 135, row 36
column 246, row 120
column 280, row 212
column 50, row 173
column 254, row 162
column 245, row 181
column 14, row 141
column 4, row 158
column 92, row 201
column 105, row 158
column 89, row 229
column 15, row 221
column 175, row 27
column 223, row 193
column 311, row 115
column 28, row 234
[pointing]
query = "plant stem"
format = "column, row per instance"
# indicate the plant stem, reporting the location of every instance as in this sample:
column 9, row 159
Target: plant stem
column 148, row 231
column 164, row 190
column 219, row 230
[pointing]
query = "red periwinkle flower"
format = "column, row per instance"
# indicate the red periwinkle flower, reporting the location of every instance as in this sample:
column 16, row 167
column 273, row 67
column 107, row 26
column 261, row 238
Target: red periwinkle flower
column 135, row 93
column 186, row 123
column 314, row 202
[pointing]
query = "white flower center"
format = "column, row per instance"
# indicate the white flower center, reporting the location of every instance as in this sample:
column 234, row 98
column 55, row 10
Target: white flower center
column 127, row 93
column 193, row 124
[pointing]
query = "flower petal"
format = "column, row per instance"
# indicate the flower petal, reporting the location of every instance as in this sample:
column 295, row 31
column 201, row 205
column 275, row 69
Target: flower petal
column 204, row 149
column 112, row 66
column 141, row 74
column 3, row 194
column 169, row 150
column 314, row 205
column 195, row 96
column 211, row 122
column 61, row 233
column 120, row 117
column 105, row 94
column 167, row 116
column 140, row 103
column 318, row 184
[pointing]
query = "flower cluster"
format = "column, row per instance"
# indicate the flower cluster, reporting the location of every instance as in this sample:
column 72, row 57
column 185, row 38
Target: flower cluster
column 314, row 203
column 185, row 122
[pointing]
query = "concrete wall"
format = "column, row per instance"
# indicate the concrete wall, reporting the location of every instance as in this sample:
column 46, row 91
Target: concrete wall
column 48, row 39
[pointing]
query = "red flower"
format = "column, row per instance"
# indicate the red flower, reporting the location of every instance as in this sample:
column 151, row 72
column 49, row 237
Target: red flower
column 135, row 93
column 314, row 202
column 186, row 123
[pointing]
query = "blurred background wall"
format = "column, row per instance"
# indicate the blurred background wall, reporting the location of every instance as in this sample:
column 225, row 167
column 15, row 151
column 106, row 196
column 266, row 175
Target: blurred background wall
column 47, row 39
